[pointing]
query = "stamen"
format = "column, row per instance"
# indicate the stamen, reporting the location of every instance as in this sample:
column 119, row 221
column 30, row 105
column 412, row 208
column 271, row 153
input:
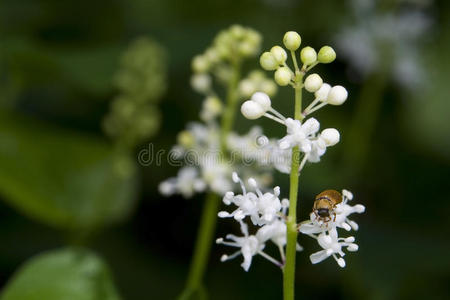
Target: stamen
column 267, row 115
column 270, row 258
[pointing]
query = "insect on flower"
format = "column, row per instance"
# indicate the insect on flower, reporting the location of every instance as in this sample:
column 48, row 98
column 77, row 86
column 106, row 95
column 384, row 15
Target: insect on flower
column 325, row 204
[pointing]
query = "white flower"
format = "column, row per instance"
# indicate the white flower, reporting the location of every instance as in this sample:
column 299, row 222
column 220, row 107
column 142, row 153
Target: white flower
column 342, row 211
column 363, row 44
column 299, row 134
column 217, row 175
column 261, row 208
column 186, row 183
column 276, row 232
column 249, row 246
column 328, row 137
column 332, row 246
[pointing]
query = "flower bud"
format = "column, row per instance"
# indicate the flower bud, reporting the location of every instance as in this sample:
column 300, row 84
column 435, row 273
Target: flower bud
column 262, row 99
column 213, row 105
column 200, row 64
column 246, row 48
column 292, row 40
column 252, row 110
column 269, row 87
column 283, row 76
column 279, row 54
column 246, row 88
column 268, row 61
column 308, row 55
column 201, row 82
column 331, row 136
column 337, row 95
column 322, row 93
column 185, row 139
column 313, row 83
column 237, row 31
column 326, row 55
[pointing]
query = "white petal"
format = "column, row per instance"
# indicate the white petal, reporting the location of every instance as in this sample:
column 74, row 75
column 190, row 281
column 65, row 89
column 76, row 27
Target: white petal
column 341, row 262
column 309, row 228
column 223, row 214
column 359, row 208
column 353, row 247
column 319, row 256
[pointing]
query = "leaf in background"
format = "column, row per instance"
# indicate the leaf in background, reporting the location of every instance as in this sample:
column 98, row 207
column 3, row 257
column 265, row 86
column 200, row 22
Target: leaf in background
column 62, row 178
column 68, row 274
column 88, row 69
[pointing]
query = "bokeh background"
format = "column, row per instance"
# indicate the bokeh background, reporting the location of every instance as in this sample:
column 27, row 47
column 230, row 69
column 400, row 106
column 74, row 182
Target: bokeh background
column 58, row 60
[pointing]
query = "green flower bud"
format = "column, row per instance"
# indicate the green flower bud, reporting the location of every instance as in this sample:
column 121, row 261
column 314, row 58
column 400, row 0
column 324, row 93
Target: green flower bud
column 268, row 61
column 292, row 40
column 283, row 76
column 308, row 55
column 200, row 64
column 279, row 54
column 326, row 55
column 185, row 139
column 269, row 87
column 237, row 31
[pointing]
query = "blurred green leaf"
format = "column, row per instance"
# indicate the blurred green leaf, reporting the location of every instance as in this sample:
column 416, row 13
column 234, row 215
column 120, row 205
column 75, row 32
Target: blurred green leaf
column 69, row 274
column 62, row 178
column 88, row 69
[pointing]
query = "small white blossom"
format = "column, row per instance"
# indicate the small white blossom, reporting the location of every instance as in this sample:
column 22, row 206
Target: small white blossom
column 332, row 246
column 326, row 231
column 266, row 211
column 299, row 134
column 249, row 246
column 262, row 208
column 341, row 220
column 186, row 183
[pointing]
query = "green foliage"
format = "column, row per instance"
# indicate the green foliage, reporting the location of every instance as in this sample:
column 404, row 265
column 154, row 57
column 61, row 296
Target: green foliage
column 141, row 81
column 68, row 274
column 61, row 178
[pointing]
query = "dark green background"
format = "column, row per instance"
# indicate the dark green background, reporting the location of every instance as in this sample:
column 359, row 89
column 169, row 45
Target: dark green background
column 57, row 60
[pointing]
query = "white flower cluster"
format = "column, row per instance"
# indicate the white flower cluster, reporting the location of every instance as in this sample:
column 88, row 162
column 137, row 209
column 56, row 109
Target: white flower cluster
column 267, row 212
column 326, row 234
column 265, row 209
column 209, row 166
column 207, row 169
column 305, row 134
column 387, row 40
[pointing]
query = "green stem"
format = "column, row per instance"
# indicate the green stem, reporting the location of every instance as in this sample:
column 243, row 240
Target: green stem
column 194, row 287
column 289, row 269
column 230, row 108
column 202, row 246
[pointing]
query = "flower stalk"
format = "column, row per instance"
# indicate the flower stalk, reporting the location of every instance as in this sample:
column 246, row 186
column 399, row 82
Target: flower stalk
column 289, row 268
column 208, row 220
